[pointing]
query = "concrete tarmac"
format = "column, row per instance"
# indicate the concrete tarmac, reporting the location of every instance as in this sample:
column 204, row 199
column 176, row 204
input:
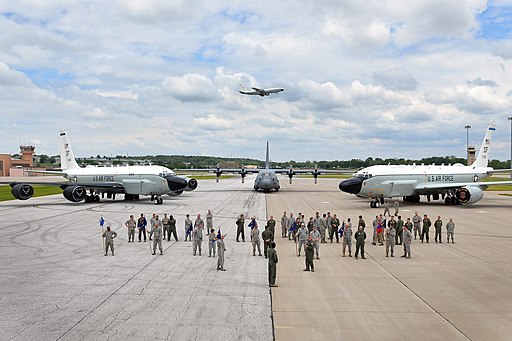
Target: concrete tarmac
column 445, row 291
column 55, row 283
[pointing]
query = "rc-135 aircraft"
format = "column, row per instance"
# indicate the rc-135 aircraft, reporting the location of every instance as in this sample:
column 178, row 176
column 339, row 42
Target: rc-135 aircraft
column 259, row 92
column 457, row 184
column 267, row 179
column 132, row 181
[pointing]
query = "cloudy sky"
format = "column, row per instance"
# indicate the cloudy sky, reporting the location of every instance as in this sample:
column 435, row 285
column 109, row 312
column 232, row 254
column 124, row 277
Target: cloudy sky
column 362, row 78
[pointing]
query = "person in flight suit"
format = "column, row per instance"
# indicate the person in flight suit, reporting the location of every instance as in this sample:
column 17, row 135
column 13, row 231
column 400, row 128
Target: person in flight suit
column 438, row 225
column 240, row 228
column 309, row 248
column 335, row 224
column 172, row 229
column 399, row 230
column 426, row 227
column 346, row 239
column 360, row 236
column 255, row 240
column 268, row 237
column 272, row 265
column 271, row 223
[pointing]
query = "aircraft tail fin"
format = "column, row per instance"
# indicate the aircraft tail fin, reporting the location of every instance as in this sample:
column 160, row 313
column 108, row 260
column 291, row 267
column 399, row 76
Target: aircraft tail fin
column 267, row 159
column 67, row 158
column 482, row 159
column 242, row 88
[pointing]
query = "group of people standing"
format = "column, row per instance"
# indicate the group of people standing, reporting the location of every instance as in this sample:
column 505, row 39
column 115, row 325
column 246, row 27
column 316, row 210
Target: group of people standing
column 386, row 229
column 307, row 235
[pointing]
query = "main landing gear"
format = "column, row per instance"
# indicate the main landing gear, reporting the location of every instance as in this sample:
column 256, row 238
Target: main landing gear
column 375, row 203
column 157, row 199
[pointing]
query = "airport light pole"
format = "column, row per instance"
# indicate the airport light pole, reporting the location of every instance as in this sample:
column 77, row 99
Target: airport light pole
column 510, row 119
column 467, row 127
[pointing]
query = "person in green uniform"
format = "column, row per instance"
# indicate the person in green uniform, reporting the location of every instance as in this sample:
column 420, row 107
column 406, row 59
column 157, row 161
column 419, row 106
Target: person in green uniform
column 310, row 253
column 272, row 265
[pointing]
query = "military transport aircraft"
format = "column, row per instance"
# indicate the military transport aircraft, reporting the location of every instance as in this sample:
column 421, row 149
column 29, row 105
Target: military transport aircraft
column 266, row 179
column 457, row 184
column 132, row 181
column 258, row 91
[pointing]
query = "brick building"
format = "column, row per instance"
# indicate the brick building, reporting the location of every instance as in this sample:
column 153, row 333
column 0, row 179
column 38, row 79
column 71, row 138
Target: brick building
column 15, row 167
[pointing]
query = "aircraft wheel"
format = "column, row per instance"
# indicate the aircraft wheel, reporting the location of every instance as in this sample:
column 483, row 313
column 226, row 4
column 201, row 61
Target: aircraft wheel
column 96, row 198
column 372, row 205
column 377, row 204
column 87, row 199
column 277, row 189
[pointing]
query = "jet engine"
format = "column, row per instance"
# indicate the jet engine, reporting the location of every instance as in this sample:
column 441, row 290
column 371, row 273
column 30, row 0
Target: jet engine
column 191, row 184
column 469, row 195
column 75, row 193
column 22, row 191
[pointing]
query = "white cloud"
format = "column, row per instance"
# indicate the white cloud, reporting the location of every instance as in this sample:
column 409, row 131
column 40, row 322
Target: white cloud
column 190, row 87
column 167, row 71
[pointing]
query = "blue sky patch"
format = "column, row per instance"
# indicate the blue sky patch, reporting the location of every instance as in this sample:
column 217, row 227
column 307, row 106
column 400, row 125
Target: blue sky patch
column 47, row 76
column 495, row 22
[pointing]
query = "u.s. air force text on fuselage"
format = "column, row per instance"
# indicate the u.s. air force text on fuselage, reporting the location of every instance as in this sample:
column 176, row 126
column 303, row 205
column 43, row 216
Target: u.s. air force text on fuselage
column 440, row 178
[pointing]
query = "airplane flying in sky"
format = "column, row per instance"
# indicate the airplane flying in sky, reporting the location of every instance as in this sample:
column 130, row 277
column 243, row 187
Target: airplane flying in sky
column 457, row 184
column 132, row 181
column 259, row 92
column 266, row 178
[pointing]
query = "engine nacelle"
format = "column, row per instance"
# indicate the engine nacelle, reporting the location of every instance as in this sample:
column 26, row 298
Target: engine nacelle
column 175, row 193
column 191, row 184
column 75, row 193
column 22, row 191
column 469, row 195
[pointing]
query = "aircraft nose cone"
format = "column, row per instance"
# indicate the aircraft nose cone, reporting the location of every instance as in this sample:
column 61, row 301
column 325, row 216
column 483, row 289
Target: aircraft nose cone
column 265, row 184
column 352, row 185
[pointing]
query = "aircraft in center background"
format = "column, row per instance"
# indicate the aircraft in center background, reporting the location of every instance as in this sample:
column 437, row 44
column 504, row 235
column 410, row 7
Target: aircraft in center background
column 258, row 91
column 266, row 179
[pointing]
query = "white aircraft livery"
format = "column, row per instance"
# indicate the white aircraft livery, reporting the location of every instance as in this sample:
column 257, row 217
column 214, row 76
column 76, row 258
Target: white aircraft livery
column 457, row 184
column 259, row 92
column 86, row 184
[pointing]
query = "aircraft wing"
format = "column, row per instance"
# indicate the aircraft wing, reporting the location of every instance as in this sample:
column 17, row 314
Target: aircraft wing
column 97, row 185
column 445, row 185
column 46, row 172
column 313, row 171
column 500, row 171
column 259, row 91
column 222, row 170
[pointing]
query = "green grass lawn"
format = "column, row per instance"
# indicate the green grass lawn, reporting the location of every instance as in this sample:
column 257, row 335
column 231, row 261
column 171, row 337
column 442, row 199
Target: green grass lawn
column 498, row 187
column 39, row 191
